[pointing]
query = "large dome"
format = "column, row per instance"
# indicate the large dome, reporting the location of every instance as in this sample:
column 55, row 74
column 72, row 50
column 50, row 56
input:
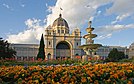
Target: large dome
column 60, row 22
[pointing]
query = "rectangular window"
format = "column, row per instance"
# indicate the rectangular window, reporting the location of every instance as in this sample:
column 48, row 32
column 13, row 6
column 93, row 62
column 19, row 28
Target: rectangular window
column 77, row 44
column 49, row 33
column 49, row 43
column 76, row 34
column 58, row 31
column 62, row 31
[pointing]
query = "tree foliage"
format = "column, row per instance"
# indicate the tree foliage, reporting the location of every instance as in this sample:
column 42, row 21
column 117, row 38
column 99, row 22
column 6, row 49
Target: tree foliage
column 5, row 50
column 115, row 55
column 41, row 53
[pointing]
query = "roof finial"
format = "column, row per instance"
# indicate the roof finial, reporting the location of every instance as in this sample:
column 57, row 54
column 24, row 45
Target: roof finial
column 60, row 15
column 89, row 23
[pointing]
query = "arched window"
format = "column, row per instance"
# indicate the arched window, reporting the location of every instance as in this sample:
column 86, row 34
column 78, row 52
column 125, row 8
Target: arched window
column 76, row 54
column 49, row 56
column 49, row 43
column 77, row 44
column 63, row 45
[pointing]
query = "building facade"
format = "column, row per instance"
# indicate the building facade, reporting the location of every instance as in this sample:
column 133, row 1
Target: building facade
column 131, row 51
column 25, row 51
column 105, row 50
column 30, row 51
column 59, row 43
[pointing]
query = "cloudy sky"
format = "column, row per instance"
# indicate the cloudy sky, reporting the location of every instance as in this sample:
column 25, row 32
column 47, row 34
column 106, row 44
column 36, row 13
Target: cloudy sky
column 23, row 21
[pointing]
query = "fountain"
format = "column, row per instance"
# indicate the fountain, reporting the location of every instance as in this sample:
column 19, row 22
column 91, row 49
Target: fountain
column 89, row 48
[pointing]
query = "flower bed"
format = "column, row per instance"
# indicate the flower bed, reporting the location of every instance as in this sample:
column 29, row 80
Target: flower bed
column 97, row 74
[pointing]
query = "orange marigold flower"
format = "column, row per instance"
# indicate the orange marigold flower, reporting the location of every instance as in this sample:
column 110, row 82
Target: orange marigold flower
column 29, row 82
column 83, row 79
column 66, row 80
column 96, row 82
column 115, row 76
column 129, row 71
column 129, row 82
column 48, row 80
column 36, row 81
column 15, row 76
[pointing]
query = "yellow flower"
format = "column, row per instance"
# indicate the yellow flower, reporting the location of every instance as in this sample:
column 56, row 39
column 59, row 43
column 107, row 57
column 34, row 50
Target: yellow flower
column 22, row 74
column 36, row 81
column 89, row 78
column 57, row 83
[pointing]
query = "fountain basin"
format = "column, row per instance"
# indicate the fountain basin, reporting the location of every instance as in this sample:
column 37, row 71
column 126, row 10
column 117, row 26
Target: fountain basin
column 89, row 29
column 90, row 36
column 90, row 46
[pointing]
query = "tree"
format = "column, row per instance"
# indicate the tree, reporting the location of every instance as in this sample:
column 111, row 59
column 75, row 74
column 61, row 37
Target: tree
column 121, row 55
column 115, row 55
column 5, row 50
column 41, row 53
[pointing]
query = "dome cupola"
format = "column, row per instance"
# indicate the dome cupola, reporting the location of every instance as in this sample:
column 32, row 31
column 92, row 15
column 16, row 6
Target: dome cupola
column 60, row 22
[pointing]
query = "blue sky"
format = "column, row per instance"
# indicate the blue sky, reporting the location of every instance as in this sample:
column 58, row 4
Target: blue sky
column 23, row 21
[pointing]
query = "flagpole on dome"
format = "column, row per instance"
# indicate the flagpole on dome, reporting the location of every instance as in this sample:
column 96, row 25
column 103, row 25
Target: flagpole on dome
column 60, row 11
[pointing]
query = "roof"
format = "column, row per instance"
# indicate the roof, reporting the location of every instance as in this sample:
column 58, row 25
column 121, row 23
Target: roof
column 60, row 22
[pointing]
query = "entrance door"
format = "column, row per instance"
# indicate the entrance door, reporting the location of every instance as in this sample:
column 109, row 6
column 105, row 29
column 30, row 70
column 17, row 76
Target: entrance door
column 49, row 56
column 63, row 50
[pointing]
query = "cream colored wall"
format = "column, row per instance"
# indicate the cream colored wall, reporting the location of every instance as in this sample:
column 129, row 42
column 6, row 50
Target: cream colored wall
column 131, row 53
column 72, row 39
column 25, row 50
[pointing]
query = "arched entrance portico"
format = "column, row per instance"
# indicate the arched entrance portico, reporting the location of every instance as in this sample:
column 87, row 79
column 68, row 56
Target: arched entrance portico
column 63, row 50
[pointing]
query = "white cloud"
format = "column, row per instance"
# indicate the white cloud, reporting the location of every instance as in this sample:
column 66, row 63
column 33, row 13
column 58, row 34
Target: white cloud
column 76, row 12
column 114, row 28
column 33, row 23
column 108, row 30
column 31, row 35
column 121, row 8
column 104, row 36
column 5, row 5
column 22, row 5
column 46, row 5
column 120, row 18
column 99, row 12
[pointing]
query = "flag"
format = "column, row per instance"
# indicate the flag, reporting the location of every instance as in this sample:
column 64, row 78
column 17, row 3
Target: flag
column 61, row 8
